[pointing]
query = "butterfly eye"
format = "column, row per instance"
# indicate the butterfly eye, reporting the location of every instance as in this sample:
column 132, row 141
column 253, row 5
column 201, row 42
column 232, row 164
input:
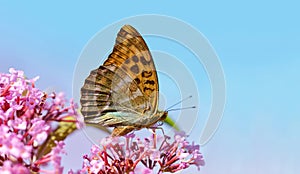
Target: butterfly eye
column 159, row 123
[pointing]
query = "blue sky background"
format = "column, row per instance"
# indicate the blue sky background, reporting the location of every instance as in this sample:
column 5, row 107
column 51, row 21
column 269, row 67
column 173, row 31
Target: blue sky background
column 257, row 43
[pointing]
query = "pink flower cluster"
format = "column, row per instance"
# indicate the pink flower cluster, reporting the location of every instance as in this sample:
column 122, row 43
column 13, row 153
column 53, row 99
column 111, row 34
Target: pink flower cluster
column 26, row 119
column 118, row 155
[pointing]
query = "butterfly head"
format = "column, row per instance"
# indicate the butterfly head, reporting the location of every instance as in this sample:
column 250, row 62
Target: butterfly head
column 163, row 115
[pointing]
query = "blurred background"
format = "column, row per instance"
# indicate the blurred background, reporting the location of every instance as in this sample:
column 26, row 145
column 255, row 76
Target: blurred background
column 258, row 46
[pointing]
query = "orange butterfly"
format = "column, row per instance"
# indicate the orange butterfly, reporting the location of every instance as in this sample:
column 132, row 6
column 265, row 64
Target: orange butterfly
column 123, row 92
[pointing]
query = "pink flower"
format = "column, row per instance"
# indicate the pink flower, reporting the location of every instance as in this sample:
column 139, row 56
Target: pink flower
column 59, row 99
column 151, row 155
column 26, row 120
column 39, row 131
column 18, row 123
column 11, row 168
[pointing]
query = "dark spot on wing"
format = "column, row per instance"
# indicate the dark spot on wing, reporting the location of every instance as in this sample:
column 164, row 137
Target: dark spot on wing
column 151, row 82
column 137, row 80
column 144, row 61
column 146, row 74
column 127, row 61
column 148, row 89
column 135, row 69
column 135, row 59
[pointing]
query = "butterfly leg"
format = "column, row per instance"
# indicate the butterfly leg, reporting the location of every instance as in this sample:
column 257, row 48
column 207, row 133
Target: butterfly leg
column 152, row 129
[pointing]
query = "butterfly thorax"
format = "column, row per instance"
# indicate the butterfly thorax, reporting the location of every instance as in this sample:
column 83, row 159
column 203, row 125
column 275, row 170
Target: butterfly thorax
column 148, row 121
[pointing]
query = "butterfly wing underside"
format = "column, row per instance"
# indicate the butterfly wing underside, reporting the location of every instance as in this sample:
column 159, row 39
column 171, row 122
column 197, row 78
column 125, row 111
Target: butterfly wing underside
column 126, row 82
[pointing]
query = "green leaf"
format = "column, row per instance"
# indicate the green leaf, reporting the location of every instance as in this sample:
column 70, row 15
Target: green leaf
column 59, row 134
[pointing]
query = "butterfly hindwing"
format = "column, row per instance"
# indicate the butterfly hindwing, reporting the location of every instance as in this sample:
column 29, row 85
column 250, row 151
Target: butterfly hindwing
column 98, row 96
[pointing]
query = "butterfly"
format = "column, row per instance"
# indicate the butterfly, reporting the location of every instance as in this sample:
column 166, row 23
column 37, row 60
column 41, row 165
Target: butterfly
column 123, row 92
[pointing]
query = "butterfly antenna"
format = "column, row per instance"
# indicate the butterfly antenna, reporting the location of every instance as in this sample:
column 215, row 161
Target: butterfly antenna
column 175, row 109
column 178, row 102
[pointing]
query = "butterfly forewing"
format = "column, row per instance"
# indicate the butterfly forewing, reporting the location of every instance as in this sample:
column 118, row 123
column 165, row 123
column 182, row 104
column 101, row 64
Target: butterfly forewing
column 126, row 82
column 137, row 62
